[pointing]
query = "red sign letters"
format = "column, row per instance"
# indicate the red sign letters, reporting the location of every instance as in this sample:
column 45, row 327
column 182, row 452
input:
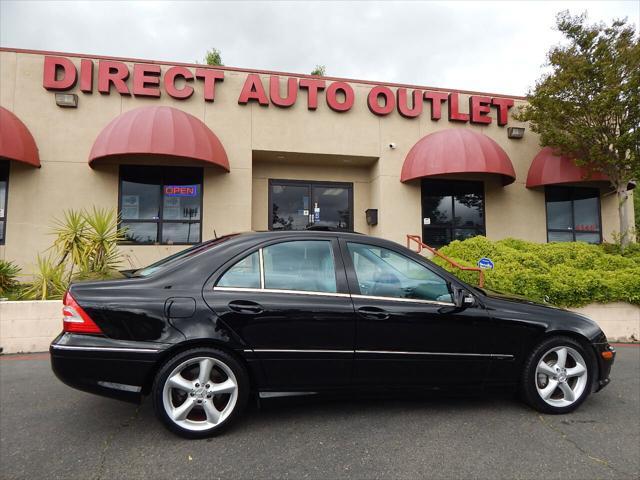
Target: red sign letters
column 148, row 80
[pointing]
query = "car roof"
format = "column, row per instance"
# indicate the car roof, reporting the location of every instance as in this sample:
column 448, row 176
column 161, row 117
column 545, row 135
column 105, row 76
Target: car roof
column 259, row 234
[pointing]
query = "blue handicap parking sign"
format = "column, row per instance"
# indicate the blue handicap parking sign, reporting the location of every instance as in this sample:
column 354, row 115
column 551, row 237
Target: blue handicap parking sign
column 485, row 262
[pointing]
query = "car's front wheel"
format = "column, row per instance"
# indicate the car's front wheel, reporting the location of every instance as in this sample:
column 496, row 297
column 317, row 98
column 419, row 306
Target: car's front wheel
column 557, row 376
column 199, row 392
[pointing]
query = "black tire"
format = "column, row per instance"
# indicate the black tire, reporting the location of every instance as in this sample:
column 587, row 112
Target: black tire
column 529, row 388
column 241, row 378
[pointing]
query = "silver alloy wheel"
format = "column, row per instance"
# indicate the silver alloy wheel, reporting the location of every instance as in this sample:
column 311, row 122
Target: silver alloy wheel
column 200, row 393
column 561, row 376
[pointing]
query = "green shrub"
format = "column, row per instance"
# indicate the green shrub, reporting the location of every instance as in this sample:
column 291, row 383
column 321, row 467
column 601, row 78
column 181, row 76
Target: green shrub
column 8, row 277
column 564, row 274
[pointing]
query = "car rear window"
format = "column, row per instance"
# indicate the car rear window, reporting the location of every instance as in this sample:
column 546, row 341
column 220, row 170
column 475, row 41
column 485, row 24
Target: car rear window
column 180, row 256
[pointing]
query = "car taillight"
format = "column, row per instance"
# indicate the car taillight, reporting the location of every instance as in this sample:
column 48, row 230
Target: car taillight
column 75, row 319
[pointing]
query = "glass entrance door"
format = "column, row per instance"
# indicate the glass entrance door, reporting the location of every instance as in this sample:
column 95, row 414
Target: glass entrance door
column 296, row 205
column 451, row 210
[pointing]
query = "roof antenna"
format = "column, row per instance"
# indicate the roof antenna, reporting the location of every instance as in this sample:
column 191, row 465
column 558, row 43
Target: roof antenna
column 215, row 235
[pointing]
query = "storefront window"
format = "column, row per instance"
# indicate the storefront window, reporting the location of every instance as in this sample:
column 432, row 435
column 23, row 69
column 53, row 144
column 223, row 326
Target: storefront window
column 4, row 193
column 297, row 205
column 573, row 214
column 451, row 210
column 161, row 204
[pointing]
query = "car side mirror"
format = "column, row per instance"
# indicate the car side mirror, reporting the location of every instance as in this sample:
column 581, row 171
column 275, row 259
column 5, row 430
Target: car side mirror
column 462, row 298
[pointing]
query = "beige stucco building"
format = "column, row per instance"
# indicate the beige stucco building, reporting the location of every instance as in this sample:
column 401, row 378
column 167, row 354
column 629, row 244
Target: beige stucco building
column 263, row 159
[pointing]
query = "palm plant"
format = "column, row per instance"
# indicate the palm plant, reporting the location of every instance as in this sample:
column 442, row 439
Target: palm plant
column 85, row 247
column 71, row 239
column 102, row 240
column 49, row 281
column 8, row 276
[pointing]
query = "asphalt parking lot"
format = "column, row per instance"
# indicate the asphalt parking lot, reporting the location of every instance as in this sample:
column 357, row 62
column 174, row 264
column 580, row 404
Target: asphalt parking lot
column 48, row 430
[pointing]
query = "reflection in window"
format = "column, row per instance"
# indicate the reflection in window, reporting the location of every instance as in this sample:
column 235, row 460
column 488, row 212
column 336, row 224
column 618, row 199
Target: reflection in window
column 573, row 214
column 301, row 265
column 4, row 182
column 385, row 273
column 161, row 204
column 297, row 205
column 244, row 274
column 452, row 210
column 290, row 207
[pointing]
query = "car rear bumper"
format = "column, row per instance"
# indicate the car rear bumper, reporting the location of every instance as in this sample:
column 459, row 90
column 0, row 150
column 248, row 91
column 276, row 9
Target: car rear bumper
column 103, row 366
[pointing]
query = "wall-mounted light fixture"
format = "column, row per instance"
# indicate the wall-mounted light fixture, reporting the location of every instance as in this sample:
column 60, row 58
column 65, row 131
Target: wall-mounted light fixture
column 67, row 100
column 372, row 216
column 515, row 132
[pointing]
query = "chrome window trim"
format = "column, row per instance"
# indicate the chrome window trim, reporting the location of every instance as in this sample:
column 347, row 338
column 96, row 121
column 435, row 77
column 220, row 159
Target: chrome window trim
column 105, row 349
column 277, row 290
column 329, row 294
column 399, row 299
column 261, row 257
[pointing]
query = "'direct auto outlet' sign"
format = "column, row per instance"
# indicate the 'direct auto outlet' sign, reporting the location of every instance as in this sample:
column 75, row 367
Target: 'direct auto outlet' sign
column 151, row 80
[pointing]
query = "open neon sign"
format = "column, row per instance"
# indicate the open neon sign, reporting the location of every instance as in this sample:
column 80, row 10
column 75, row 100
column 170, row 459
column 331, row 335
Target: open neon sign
column 181, row 190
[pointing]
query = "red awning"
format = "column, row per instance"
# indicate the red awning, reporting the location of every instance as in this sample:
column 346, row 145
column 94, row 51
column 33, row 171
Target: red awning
column 159, row 131
column 550, row 169
column 457, row 151
column 16, row 141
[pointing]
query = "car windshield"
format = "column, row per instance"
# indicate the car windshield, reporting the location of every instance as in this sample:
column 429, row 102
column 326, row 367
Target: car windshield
column 177, row 257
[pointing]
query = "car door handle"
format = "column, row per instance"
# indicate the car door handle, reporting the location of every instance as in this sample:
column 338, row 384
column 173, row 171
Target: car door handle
column 246, row 306
column 373, row 313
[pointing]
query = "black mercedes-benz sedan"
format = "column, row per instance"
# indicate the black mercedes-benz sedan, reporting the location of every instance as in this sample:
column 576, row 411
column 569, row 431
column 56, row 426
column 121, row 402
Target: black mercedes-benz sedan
column 313, row 311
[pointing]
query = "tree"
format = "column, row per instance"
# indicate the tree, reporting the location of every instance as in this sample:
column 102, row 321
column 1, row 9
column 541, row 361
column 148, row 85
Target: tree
column 588, row 106
column 320, row 70
column 636, row 208
column 213, row 57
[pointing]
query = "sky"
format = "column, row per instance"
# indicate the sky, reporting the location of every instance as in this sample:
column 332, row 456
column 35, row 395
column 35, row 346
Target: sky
column 496, row 47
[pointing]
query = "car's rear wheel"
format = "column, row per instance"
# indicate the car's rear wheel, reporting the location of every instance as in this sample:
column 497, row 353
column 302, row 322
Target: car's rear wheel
column 557, row 376
column 199, row 392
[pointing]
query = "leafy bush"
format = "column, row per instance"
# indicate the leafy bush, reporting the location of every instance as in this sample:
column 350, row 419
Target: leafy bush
column 8, row 277
column 564, row 274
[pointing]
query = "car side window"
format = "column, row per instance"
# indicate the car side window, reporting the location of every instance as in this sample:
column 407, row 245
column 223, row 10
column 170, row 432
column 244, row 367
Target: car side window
column 244, row 274
column 384, row 273
column 306, row 265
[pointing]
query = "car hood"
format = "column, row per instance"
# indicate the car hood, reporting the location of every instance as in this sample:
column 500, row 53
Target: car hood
column 553, row 318
column 512, row 297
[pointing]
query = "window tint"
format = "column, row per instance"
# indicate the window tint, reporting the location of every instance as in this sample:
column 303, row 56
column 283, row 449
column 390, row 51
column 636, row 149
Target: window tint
column 4, row 180
column 559, row 209
column 296, row 205
column 451, row 210
column 385, row 273
column 303, row 265
column 180, row 256
column 573, row 214
column 161, row 204
column 244, row 274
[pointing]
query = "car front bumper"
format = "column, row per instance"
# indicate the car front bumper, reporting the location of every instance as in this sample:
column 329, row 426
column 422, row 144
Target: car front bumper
column 602, row 351
column 99, row 365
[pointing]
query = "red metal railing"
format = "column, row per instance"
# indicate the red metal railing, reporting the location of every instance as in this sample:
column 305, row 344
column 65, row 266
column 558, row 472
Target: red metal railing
column 417, row 239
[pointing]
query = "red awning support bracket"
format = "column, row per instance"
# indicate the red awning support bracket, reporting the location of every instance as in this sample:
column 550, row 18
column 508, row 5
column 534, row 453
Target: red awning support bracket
column 421, row 245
